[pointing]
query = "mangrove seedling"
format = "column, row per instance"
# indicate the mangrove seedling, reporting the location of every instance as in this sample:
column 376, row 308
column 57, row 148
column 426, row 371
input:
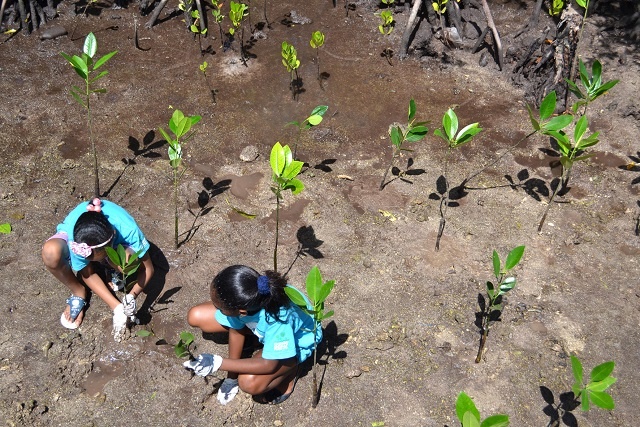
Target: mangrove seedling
column 237, row 13
column 412, row 132
column 126, row 265
column 385, row 28
column 203, row 68
column 291, row 63
column 491, row 310
column 314, row 119
column 469, row 416
column 197, row 29
column 183, row 347
column 454, row 139
column 179, row 124
column 317, row 292
column 316, row 42
column 5, row 228
column 592, row 84
column 593, row 391
column 285, row 169
column 218, row 17
column 85, row 66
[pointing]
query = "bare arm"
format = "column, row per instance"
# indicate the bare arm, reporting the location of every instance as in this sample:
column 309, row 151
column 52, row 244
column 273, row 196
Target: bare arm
column 145, row 272
column 253, row 365
column 236, row 343
column 95, row 283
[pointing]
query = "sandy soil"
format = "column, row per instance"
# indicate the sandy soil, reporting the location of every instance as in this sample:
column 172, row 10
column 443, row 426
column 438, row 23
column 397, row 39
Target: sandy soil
column 403, row 341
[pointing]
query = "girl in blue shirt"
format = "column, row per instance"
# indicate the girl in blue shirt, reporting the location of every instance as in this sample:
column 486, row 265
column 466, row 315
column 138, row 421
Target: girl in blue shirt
column 243, row 302
column 81, row 239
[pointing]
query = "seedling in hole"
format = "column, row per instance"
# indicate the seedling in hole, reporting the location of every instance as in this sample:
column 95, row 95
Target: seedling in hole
column 594, row 390
column 285, row 169
column 126, row 264
column 491, row 310
column 203, row 68
column 385, row 28
column 317, row 293
column 179, row 124
column 85, row 66
column 237, row 13
column 314, row 119
column 454, row 139
column 412, row 132
column 218, row 17
column 316, row 42
column 291, row 63
column 183, row 348
column 469, row 416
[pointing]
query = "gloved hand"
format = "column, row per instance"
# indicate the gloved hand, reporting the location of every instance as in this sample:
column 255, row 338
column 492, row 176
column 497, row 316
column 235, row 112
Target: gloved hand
column 119, row 323
column 228, row 390
column 204, row 365
column 129, row 303
column 117, row 284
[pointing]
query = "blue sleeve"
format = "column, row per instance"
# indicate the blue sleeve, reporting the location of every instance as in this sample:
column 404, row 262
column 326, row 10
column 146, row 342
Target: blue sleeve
column 127, row 231
column 229, row 322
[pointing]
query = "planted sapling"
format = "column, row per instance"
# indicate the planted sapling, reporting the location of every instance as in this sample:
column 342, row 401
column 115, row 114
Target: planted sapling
column 592, row 84
column 126, row 265
column 412, row 132
column 291, row 63
column 203, row 68
column 218, row 17
column 314, row 119
column 386, row 27
column 316, row 42
column 237, row 13
column 469, row 416
column 85, row 66
column 285, row 169
column 317, row 292
column 454, row 139
column 183, row 347
column 593, row 391
column 491, row 309
column 180, row 125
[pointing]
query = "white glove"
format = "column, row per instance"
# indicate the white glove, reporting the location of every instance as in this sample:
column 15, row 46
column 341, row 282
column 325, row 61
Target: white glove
column 117, row 284
column 119, row 323
column 129, row 303
column 204, row 365
column 227, row 390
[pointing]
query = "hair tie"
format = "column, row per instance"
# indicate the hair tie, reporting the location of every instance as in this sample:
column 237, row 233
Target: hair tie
column 85, row 250
column 95, row 205
column 263, row 285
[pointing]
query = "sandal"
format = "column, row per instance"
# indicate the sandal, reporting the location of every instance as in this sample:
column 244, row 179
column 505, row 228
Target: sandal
column 275, row 396
column 76, row 305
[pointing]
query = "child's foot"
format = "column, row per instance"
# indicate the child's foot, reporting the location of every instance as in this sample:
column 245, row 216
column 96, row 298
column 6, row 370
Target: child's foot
column 282, row 392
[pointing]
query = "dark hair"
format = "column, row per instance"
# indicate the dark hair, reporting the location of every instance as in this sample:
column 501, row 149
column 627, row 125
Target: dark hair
column 237, row 288
column 92, row 228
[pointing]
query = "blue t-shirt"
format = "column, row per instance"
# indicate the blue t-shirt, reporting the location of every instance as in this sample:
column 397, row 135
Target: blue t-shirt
column 128, row 234
column 288, row 336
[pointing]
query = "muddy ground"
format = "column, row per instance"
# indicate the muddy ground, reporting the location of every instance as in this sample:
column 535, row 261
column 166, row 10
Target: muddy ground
column 402, row 342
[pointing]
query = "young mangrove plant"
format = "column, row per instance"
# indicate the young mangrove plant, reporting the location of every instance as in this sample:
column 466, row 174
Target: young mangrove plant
column 317, row 292
column 179, row 125
column 237, row 13
column 593, row 391
column 291, row 63
column 285, row 169
column 491, row 310
column 592, row 84
column 314, row 119
column 386, row 27
column 469, row 416
column 316, row 42
column 183, row 347
column 218, row 17
column 197, row 28
column 203, row 68
column 399, row 134
column 126, row 265
column 85, row 66
column 454, row 139
column 5, row 228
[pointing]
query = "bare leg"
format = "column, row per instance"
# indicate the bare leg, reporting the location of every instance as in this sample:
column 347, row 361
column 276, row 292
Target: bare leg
column 282, row 379
column 54, row 254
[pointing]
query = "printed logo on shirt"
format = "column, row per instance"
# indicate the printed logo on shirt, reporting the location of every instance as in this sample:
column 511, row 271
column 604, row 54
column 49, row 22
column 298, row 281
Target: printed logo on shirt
column 280, row 346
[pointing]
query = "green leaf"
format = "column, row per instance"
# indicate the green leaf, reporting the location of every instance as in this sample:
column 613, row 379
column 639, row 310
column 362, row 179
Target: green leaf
column 295, row 185
column 314, row 119
column 277, row 159
column 78, row 99
column 602, row 400
column 585, row 402
column 181, row 350
column 582, row 3
column 499, row 420
column 576, row 367
column 601, row 385
column 548, row 106
column 496, row 264
column 396, row 136
column 467, row 133
column 314, row 283
column 143, row 333
column 596, row 73
column 80, row 66
column 588, row 141
column 439, row 133
column 295, row 296
column 604, row 88
column 575, row 89
column 558, row 122
column 416, row 133
column 465, row 405
column 602, row 371
column 100, row 62
column 325, row 290
column 166, row 136
column 98, row 77
column 412, row 109
column 514, row 258
column 534, row 123
column 90, row 45
column 5, row 228
column 580, row 129
column 292, row 170
column 327, row 315
column 469, row 419
column 450, row 124
column 186, row 337
column 320, row 110
column 507, row 285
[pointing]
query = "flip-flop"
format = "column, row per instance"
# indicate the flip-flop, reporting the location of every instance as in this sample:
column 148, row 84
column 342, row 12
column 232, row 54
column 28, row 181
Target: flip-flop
column 76, row 305
column 276, row 397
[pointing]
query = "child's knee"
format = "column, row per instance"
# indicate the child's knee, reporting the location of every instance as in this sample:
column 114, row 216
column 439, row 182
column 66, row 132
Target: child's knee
column 194, row 316
column 51, row 254
column 250, row 384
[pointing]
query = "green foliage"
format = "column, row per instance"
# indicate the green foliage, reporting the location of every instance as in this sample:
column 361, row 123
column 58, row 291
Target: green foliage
column 469, row 416
column 450, row 132
column 593, row 391
column 546, row 123
column 194, row 26
column 388, row 23
column 127, row 264
column 592, row 84
column 5, row 228
column 183, row 347
column 289, row 57
column 179, row 125
column 203, row 67
column 491, row 310
column 583, row 3
column 237, row 13
column 317, row 39
column 440, row 6
column 556, row 7
column 314, row 119
column 285, row 170
column 144, row 333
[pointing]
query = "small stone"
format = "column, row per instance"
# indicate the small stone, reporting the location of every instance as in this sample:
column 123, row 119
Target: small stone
column 278, row 423
column 353, row 373
column 249, row 153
